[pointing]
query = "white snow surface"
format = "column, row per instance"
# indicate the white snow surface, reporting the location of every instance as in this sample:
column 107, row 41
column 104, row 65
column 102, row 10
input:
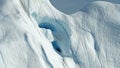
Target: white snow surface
column 33, row 34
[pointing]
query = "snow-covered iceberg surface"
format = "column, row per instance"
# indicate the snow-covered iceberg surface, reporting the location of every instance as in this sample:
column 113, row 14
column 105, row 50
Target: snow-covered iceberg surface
column 33, row 34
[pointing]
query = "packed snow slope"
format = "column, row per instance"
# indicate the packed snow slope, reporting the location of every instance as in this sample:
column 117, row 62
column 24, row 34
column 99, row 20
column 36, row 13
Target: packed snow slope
column 33, row 34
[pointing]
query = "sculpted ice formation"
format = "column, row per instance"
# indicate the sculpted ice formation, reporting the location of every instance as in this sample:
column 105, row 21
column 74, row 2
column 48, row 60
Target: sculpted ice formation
column 33, row 34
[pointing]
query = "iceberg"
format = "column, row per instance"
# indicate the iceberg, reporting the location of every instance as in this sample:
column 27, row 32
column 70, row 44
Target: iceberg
column 34, row 34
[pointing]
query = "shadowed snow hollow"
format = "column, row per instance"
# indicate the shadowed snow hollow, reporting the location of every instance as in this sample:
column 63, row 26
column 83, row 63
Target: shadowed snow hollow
column 33, row 34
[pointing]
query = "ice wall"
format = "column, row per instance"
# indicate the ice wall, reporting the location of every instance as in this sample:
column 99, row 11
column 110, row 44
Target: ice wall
column 33, row 34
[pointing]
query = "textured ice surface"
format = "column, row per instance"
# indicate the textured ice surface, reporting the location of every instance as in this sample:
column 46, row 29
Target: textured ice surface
column 33, row 34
